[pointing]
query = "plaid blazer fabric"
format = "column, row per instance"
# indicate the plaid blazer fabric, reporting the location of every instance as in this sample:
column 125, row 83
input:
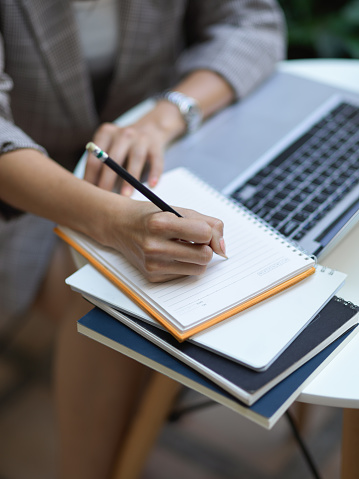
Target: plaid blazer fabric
column 44, row 77
column 46, row 100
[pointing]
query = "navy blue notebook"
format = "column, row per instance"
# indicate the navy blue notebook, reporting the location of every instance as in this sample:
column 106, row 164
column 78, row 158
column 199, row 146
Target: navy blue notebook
column 266, row 411
column 245, row 384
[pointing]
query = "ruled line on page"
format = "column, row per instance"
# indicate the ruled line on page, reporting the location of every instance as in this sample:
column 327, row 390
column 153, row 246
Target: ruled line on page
column 251, row 247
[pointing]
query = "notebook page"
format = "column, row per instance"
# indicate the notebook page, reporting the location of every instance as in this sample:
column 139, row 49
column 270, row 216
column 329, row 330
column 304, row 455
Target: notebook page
column 258, row 259
column 254, row 337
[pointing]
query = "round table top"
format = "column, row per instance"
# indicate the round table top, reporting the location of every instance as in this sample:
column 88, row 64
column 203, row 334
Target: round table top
column 338, row 383
column 340, row 73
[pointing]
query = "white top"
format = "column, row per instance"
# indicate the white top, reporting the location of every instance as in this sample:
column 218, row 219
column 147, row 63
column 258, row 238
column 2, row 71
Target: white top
column 98, row 28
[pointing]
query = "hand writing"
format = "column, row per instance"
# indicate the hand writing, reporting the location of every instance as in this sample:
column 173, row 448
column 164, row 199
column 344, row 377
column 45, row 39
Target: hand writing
column 163, row 246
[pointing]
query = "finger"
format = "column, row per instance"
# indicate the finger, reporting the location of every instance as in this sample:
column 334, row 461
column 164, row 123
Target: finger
column 135, row 163
column 193, row 227
column 103, row 136
column 92, row 169
column 159, row 268
column 169, row 226
column 217, row 241
column 121, row 142
column 105, row 177
column 155, row 157
column 177, row 251
column 192, row 254
column 95, row 168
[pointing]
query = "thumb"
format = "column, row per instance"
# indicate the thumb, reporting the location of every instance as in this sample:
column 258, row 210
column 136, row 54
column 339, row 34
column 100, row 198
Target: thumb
column 217, row 242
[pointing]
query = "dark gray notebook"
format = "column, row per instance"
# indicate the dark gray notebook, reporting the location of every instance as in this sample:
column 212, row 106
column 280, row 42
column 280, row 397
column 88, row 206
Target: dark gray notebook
column 243, row 383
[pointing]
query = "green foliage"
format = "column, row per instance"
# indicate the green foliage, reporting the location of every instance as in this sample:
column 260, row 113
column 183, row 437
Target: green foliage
column 322, row 29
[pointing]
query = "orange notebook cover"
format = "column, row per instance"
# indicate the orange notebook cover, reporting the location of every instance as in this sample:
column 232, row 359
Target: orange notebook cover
column 162, row 320
column 261, row 263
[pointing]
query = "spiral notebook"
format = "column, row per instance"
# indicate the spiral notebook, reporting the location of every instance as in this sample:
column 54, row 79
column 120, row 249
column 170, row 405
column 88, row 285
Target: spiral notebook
column 266, row 411
column 254, row 338
column 337, row 317
column 261, row 263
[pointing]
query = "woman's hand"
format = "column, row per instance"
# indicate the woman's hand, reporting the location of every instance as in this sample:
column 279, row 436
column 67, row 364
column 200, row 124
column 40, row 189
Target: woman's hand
column 163, row 246
column 145, row 140
column 134, row 146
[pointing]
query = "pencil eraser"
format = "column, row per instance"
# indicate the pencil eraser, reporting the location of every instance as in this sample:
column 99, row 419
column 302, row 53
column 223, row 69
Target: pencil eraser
column 91, row 147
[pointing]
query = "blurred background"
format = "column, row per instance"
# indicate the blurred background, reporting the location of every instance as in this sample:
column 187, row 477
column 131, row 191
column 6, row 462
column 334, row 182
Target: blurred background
column 211, row 444
column 322, row 29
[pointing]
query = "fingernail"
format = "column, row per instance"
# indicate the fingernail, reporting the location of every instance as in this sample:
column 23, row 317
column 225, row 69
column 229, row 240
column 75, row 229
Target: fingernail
column 222, row 244
column 127, row 191
column 153, row 182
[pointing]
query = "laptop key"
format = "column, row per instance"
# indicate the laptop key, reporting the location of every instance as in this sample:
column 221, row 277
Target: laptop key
column 299, row 235
column 310, row 207
column 280, row 195
column 245, row 193
column 270, row 204
column 290, row 206
column 309, row 177
column 300, row 217
column 256, row 180
column 289, row 227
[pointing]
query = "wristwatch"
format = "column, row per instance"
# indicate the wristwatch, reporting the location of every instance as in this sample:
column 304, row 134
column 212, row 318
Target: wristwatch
column 188, row 107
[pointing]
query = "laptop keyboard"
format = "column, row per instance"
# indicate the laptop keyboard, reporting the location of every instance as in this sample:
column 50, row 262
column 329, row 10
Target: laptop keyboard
column 305, row 181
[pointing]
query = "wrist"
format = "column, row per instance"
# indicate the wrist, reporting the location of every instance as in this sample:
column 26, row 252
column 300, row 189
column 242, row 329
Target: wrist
column 187, row 107
column 97, row 219
column 113, row 220
column 168, row 121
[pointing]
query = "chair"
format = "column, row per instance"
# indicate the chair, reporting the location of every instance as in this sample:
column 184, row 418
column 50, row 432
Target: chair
column 155, row 408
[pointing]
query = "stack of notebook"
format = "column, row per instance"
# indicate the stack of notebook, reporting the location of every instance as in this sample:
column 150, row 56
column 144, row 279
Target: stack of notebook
column 249, row 333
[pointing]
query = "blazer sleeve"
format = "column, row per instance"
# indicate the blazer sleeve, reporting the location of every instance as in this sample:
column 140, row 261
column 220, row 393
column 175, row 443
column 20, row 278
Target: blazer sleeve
column 241, row 40
column 11, row 137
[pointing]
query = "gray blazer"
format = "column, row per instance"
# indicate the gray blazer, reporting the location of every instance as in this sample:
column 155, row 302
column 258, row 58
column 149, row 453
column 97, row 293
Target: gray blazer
column 45, row 86
column 46, row 97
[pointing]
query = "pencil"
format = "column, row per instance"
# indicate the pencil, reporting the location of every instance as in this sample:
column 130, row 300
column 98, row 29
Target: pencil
column 102, row 156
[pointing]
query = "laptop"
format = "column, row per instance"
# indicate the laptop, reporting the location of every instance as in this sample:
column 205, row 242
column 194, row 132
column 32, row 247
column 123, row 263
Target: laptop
column 290, row 154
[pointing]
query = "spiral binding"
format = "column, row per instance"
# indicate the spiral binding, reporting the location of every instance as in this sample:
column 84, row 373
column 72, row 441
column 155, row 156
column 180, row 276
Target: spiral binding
column 346, row 303
column 323, row 269
column 247, row 212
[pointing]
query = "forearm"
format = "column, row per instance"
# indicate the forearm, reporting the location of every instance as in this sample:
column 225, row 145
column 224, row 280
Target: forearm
column 146, row 236
column 34, row 183
column 211, row 91
column 241, row 40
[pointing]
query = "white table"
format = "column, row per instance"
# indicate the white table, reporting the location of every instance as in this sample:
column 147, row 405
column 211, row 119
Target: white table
column 338, row 384
column 333, row 386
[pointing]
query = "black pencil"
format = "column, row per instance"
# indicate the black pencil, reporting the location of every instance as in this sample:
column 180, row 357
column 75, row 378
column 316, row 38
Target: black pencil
column 102, row 156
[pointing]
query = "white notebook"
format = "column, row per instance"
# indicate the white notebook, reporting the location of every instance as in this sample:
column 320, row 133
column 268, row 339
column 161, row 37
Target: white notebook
column 261, row 263
column 255, row 337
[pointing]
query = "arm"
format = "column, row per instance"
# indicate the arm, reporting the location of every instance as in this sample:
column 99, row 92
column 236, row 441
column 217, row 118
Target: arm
column 240, row 40
column 146, row 139
column 148, row 238
column 32, row 182
column 233, row 46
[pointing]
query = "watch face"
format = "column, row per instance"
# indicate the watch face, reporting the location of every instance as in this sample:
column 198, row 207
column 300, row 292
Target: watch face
column 193, row 117
column 188, row 107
